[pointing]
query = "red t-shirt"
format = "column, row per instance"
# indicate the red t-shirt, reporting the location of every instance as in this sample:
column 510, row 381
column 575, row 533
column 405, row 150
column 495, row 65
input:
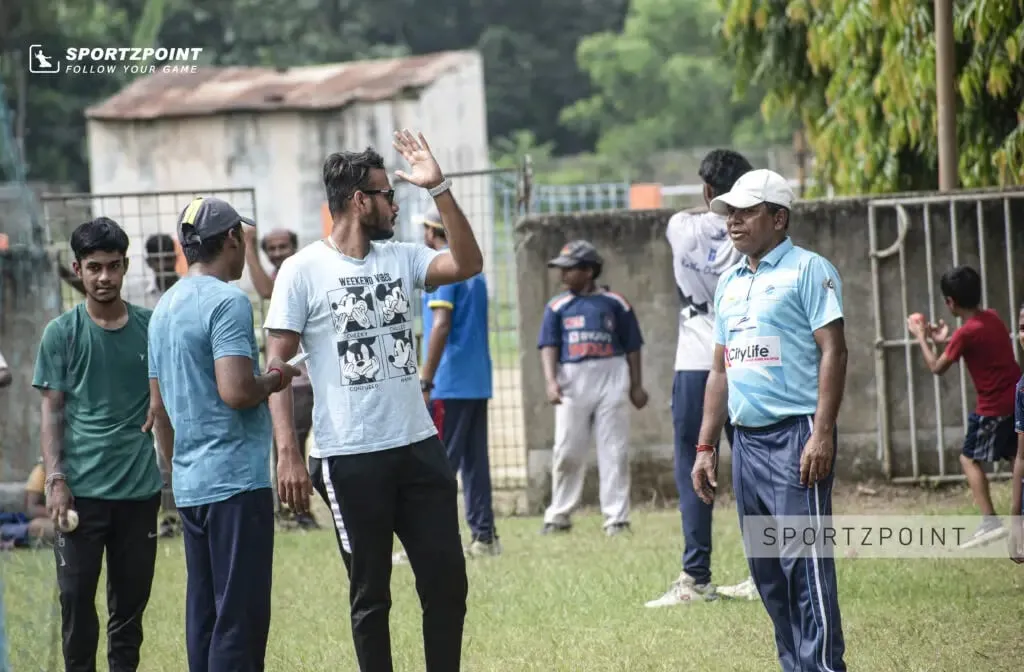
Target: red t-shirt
column 984, row 342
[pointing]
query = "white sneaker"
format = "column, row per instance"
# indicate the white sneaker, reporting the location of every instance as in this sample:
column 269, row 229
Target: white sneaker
column 476, row 549
column 744, row 590
column 479, row 549
column 991, row 529
column 682, row 591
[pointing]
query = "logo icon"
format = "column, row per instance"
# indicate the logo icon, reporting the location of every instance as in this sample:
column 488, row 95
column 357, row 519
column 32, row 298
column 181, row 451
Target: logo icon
column 829, row 285
column 39, row 63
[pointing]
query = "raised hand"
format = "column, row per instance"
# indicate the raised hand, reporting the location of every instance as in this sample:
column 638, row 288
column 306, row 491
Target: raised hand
column 414, row 149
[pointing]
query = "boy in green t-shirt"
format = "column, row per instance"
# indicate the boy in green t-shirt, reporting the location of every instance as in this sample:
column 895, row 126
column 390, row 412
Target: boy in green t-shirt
column 92, row 370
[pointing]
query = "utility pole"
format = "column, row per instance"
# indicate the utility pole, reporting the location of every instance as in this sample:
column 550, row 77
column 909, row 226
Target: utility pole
column 945, row 90
column 800, row 151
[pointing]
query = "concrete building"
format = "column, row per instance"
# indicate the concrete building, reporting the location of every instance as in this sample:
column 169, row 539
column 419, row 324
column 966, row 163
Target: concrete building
column 239, row 128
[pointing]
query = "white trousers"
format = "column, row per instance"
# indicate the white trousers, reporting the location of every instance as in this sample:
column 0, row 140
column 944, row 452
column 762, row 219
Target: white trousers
column 595, row 402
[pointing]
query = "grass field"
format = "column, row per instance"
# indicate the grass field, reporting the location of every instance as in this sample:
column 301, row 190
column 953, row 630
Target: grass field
column 576, row 603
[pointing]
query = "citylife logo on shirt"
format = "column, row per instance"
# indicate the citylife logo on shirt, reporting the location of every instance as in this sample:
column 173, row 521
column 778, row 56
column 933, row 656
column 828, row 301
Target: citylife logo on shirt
column 750, row 352
column 110, row 60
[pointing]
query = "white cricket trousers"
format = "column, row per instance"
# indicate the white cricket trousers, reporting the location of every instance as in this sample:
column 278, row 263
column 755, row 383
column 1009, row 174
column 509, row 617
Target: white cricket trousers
column 595, row 402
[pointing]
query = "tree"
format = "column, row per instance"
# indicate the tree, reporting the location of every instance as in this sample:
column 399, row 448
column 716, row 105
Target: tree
column 861, row 76
column 661, row 83
column 527, row 47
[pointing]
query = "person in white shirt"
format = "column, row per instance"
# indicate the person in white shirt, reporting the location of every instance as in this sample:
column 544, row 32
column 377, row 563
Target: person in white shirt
column 5, row 372
column 377, row 461
column 701, row 253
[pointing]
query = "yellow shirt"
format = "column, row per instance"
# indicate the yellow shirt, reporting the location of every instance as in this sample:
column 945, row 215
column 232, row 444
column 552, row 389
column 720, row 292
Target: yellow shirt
column 36, row 480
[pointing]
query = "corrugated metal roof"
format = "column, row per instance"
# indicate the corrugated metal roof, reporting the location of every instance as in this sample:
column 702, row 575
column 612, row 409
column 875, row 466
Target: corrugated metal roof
column 214, row 90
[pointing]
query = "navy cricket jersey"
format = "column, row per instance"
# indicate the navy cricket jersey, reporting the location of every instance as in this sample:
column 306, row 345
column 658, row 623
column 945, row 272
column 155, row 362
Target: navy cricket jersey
column 593, row 326
column 1018, row 407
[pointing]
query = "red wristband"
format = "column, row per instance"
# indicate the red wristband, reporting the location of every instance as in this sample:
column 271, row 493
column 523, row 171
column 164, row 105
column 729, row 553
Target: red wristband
column 279, row 373
column 705, row 448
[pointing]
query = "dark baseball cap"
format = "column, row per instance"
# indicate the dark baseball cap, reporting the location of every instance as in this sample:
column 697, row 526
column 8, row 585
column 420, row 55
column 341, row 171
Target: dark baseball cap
column 577, row 253
column 206, row 217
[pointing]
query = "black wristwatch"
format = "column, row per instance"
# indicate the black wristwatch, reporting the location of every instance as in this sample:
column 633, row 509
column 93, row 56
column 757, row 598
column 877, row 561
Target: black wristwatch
column 426, row 385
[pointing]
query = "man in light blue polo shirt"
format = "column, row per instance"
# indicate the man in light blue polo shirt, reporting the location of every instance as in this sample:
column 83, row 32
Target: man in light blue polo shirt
column 779, row 368
column 456, row 384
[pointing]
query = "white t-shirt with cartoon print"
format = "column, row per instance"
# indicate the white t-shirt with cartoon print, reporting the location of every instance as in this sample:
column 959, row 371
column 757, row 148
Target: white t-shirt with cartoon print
column 355, row 321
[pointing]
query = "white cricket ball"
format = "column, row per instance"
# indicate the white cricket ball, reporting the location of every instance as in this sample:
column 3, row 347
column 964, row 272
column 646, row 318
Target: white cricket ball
column 70, row 521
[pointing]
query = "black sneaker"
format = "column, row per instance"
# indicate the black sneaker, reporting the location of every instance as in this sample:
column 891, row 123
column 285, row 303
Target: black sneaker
column 306, row 521
column 556, row 528
column 170, row 526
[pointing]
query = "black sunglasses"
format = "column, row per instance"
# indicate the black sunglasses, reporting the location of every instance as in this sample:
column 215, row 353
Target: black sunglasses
column 388, row 194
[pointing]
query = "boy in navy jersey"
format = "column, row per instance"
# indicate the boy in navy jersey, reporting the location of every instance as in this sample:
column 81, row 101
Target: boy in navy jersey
column 985, row 344
column 1017, row 498
column 590, row 345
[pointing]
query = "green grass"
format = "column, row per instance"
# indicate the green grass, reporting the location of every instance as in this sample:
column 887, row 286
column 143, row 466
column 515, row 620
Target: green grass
column 576, row 603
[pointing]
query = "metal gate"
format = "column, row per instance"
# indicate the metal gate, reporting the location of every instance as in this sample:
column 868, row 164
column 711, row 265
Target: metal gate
column 922, row 418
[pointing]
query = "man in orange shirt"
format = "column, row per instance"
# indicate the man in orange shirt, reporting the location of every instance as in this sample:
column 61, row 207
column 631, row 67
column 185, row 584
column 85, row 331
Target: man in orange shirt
column 20, row 529
column 40, row 526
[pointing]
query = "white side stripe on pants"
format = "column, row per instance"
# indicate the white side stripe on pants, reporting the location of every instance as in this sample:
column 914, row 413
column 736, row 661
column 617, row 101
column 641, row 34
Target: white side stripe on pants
column 339, row 524
column 816, row 518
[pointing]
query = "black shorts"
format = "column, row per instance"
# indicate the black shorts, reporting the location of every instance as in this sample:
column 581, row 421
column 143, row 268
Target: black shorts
column 990, row 438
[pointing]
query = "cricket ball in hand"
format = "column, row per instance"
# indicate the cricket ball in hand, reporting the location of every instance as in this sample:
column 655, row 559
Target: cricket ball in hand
column 918, row 317
column 70, row 521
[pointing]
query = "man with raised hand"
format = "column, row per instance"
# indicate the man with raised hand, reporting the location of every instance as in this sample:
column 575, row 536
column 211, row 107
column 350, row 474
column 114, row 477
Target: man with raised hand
column 378, row 462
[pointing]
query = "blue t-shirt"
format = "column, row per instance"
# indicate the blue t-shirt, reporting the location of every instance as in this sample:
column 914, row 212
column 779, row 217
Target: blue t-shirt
column 1018, row 407
column 766, row 322
column 592, row 326
column 465, row 368
column 218, row 451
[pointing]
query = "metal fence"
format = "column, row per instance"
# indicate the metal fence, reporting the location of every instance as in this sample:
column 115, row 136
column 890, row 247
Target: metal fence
column 568, row 198
column 493, row 200
column 145, row 217
column 918, row 437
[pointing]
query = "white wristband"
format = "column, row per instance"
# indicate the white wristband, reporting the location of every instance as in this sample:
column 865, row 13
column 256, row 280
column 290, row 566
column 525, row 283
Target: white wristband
column 445, row 185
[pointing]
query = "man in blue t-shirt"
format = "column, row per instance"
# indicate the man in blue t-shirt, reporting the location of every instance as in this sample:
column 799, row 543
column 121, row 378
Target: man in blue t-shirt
column 778, row 373
column 204, row 374
column 590, row 345
column 456, row 383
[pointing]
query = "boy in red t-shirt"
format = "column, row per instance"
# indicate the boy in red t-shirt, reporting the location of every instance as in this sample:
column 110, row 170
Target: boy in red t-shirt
column 985, row 344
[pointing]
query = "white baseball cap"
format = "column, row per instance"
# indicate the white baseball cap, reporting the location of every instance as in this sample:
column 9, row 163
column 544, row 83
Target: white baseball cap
column 753, row 188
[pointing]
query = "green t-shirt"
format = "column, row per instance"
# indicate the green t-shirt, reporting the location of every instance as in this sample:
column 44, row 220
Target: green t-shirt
column 104, row 375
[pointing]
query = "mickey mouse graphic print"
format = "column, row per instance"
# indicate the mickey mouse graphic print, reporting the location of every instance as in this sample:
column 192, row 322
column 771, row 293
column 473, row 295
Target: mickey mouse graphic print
column 354, row 318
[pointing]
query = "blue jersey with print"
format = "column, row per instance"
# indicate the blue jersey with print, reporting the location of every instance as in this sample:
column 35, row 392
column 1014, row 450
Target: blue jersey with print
column 766, row 323
column 219, row 451
column 1018, row 407
column 592, row 326
column 465, row 368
